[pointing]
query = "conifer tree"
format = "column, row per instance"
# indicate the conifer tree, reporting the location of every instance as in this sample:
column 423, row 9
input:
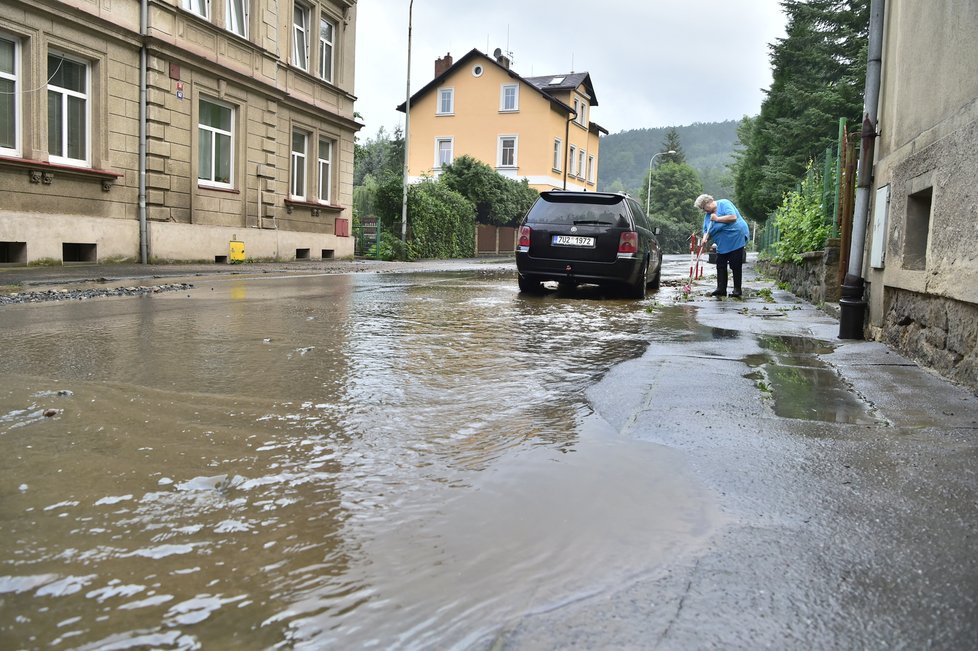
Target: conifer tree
column 818, row 71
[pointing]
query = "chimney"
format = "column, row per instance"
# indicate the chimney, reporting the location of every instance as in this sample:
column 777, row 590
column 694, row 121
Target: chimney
column 443, row 64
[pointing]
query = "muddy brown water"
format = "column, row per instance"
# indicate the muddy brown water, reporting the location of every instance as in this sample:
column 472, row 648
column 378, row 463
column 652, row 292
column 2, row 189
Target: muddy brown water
column 323, row 461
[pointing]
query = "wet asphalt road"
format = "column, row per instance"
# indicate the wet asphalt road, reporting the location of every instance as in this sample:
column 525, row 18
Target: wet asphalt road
column 846, row 477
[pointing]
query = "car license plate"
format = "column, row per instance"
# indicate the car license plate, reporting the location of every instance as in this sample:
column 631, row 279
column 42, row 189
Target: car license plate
column 572, row 240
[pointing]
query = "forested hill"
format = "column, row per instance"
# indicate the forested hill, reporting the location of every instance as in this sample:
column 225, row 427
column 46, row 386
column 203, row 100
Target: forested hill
column 708, row 148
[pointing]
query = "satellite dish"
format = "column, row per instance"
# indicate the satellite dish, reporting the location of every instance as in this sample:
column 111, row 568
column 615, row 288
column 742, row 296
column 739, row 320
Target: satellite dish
column 497, row 53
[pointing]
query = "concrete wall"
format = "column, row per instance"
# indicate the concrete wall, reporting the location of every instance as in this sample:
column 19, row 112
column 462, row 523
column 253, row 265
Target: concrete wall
column 209, row 243
column 927, row 166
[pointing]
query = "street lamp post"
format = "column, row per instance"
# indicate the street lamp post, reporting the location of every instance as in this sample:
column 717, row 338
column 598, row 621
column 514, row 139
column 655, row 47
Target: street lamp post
column 407, row 129
column 648, row 192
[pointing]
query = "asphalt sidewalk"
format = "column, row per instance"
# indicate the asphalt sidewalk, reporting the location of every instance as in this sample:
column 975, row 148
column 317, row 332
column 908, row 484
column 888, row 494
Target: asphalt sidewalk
column 844, row 479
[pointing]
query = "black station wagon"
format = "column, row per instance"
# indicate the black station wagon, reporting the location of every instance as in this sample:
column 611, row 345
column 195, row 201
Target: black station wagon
column 579, row 238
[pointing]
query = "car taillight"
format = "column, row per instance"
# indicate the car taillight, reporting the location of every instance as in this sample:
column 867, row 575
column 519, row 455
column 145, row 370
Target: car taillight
column 524, row 236
column 628, row 242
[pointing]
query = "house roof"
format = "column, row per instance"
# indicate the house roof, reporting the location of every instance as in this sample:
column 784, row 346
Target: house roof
column 570, row 81
column 544, row 85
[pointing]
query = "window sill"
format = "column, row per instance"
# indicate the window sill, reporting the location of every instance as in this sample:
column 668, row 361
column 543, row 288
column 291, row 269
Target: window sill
column 43, row 172
column 314, row 207
column 201, row 186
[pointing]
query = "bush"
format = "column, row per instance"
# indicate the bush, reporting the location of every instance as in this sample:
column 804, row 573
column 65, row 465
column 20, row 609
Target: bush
column 801, row 220
column 441, row 222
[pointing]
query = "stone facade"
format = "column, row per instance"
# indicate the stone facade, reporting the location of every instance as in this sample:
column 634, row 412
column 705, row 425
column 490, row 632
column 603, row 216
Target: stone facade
column 935, row 332
column 208, row 180
column 920, row 266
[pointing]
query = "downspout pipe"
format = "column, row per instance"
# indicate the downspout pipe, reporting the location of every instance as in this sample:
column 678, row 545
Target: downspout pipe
column 852, row 303
column 143, row 65
column 567, row 159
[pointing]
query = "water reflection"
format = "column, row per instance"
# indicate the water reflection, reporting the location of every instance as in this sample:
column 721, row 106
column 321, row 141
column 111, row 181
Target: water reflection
column 341, row 460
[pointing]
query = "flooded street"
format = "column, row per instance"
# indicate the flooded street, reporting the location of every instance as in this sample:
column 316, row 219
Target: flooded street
column 323, row 461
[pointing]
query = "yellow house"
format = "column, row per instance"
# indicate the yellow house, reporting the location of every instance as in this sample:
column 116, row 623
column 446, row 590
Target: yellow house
column 537, row 128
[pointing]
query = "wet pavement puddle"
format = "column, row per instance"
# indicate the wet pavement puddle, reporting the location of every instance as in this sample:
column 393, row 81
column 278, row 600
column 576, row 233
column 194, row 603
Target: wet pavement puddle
column 804, row 387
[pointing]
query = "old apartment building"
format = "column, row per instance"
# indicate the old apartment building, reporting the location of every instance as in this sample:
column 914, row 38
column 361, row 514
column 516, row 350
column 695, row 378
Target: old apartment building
column 537, row 128
column 176, row 129
column 920, row 265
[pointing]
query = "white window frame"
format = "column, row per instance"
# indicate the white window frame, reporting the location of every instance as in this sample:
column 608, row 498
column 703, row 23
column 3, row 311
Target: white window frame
column 558, row 155
column 571, row 158
column 590, row 169
column 443, row 95
column 501, row 150
column 326, row 73
column 215, row 132
column 439, row 161
column 515, row 97
column 297, row 166
column 582, row 114
column 14, row 77
column 581, row 154
column 65, row 95
column 300, row 51
column 324, row 166
column 200, row 8
column 231, row 19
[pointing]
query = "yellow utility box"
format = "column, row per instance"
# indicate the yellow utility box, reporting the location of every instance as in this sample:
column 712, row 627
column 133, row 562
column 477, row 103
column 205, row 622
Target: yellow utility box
column 237, row 251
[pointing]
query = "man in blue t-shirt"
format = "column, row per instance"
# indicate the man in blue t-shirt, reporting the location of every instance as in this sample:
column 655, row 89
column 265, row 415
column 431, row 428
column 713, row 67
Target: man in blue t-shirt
column 724, row 224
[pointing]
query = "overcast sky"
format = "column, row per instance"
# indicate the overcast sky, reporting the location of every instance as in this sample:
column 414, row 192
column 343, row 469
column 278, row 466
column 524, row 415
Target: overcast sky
column 653, row 63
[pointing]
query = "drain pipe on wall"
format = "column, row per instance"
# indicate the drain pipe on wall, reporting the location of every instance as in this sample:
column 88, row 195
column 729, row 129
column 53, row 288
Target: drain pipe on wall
column 567, row 159
column 852, row 304
column 143, row 64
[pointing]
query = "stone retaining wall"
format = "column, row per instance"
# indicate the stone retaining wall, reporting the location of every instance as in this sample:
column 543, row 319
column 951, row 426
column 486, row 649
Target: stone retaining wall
column 815, row 278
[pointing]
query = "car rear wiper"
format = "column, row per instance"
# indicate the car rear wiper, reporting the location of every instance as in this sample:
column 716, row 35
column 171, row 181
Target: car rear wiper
column 578, row 222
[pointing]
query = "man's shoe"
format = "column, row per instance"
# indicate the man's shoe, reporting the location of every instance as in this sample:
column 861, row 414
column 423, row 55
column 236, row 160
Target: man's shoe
column 718, row 293
column 736, row 293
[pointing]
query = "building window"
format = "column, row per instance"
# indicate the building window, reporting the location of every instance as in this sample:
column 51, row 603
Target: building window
column 9, row 100
column 215, row 131
column 917, row 230
column 558, row 154
column 297, row 183
column 590, row 169
column 325, row 169
column 300, row 36
column 326, row 31
column 507, row 151
column 446, row 101
column 580, row 163
column 509, row 98
column 200, row 7
column 236, row 19
column 570, row 160
column 443, row 152
column 67, row 111
column 582, row 114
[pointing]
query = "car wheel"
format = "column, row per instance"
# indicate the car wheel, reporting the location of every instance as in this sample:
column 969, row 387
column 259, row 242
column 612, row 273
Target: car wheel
column 529, row 286
column 639, row 288
column 657, row 278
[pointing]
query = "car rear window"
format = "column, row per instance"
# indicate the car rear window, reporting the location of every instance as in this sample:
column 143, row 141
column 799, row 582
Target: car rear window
column 563, row 210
